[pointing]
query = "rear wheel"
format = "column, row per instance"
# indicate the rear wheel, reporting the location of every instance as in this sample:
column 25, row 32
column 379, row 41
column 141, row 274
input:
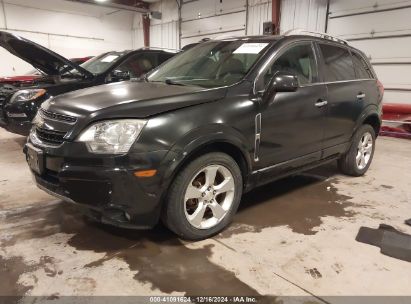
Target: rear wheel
column 358, row 158
column 204, row 197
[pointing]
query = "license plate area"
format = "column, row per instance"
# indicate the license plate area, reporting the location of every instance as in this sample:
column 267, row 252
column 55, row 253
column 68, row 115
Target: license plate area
column 35, row 159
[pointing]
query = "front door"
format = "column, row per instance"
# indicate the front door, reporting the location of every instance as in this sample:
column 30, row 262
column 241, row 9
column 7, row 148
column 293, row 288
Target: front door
column 292, row 123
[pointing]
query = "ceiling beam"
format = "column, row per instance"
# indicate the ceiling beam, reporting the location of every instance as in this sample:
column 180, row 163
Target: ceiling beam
column 127, row 5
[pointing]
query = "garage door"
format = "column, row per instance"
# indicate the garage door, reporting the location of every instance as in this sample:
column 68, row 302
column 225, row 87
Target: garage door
column 380, row 29
column 209, row 19
column 309, row 15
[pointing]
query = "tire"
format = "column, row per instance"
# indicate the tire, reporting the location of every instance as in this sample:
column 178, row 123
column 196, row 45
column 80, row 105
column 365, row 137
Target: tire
column 352, row 163
column 180, row 210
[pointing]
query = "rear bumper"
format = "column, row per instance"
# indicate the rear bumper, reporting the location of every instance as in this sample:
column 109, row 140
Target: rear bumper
column 109, row 193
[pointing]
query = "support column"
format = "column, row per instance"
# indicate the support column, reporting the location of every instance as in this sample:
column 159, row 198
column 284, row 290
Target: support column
column 276, row 5
column 146, row 29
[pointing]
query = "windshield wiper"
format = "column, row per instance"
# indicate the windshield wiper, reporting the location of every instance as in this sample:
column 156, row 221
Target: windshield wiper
column 172, row 82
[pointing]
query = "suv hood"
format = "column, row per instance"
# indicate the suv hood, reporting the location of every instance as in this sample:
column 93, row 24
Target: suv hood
column 38, row 56
column 129, row 99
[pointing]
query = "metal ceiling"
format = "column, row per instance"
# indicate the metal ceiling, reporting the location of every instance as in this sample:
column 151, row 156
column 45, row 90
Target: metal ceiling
column 128, row 5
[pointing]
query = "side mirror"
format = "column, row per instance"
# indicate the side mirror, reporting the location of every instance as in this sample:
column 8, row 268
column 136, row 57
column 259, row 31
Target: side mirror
column 283, row 82
column 118, row 75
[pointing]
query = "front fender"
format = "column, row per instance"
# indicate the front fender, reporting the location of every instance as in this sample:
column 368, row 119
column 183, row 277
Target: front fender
column 198, row 139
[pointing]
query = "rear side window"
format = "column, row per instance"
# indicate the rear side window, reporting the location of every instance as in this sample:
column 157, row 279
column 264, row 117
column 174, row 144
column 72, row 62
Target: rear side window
column 361, row 67
column 338, row 64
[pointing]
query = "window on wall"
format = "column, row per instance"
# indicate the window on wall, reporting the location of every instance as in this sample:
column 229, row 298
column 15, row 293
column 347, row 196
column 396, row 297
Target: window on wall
column 361, row 67
column 338, row 64
column 298, row 60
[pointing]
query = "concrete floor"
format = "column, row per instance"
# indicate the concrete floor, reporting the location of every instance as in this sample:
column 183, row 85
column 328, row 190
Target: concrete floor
column 294, row 237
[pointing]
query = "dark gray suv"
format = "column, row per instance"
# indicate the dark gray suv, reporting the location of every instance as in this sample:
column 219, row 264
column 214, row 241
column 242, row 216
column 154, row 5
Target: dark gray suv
column 226, row 116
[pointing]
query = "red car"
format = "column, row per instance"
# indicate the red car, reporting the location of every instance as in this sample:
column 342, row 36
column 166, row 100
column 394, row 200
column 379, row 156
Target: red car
column 396, row 120
column 28, row 79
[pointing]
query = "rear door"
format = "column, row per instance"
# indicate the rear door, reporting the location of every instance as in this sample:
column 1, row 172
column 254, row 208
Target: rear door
column 345, row 96
column 367, row 79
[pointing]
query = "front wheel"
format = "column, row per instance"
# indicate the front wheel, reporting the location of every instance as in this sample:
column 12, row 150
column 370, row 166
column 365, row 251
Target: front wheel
column 358, row 158
column 204, row 197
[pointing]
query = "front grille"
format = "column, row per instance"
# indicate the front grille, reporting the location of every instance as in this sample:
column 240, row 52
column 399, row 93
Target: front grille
column 2, row 101
column 59, row 117
column 2, row 120
column 50, row 137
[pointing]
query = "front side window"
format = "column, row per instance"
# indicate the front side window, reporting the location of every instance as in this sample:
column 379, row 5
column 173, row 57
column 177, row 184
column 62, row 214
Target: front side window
column 338, row 64
column 361, row 67
column 211, row 64
column 139, row 64
column 164, row 57
column 298, row 60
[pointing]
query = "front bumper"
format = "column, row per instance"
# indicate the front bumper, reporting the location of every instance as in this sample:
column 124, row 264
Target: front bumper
column 106, row 188
column 17, row 126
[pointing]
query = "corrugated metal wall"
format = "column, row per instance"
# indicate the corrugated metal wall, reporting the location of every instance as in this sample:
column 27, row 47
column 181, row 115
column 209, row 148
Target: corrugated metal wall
column 259, row 11
column 382, row 30
column 164, row 33
column 305, row 14
column 138, row 35
column 209, row 18
column 212, row 18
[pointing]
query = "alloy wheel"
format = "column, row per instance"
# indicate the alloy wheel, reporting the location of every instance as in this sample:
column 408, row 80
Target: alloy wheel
column 209, row 196
column 364, row 151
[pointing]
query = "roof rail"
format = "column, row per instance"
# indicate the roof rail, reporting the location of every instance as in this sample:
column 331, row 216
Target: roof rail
column 296, row 32
column 160, row 49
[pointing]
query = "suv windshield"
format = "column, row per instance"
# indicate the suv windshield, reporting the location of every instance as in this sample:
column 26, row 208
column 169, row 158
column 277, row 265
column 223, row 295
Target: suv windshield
column 211, row 64
column 102, row 63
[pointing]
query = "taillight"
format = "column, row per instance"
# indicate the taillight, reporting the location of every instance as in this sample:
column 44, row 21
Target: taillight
column 380, row 87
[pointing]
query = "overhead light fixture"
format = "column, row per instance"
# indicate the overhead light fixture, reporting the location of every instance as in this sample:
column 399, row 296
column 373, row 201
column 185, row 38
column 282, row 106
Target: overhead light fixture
column 100, row 0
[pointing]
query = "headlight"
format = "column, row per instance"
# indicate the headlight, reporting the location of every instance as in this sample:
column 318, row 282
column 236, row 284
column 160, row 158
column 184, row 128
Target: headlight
column 112, row 136
column 26, row 95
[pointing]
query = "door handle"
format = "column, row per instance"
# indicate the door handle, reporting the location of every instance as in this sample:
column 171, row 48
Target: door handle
column 321, row 103
column 361, row 96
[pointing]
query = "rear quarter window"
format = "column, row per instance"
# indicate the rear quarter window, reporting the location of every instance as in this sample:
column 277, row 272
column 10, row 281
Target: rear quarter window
column 338, row 63
column 361, row 67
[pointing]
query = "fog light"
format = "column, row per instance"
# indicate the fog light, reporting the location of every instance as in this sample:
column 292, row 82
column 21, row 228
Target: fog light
column 128, row 217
